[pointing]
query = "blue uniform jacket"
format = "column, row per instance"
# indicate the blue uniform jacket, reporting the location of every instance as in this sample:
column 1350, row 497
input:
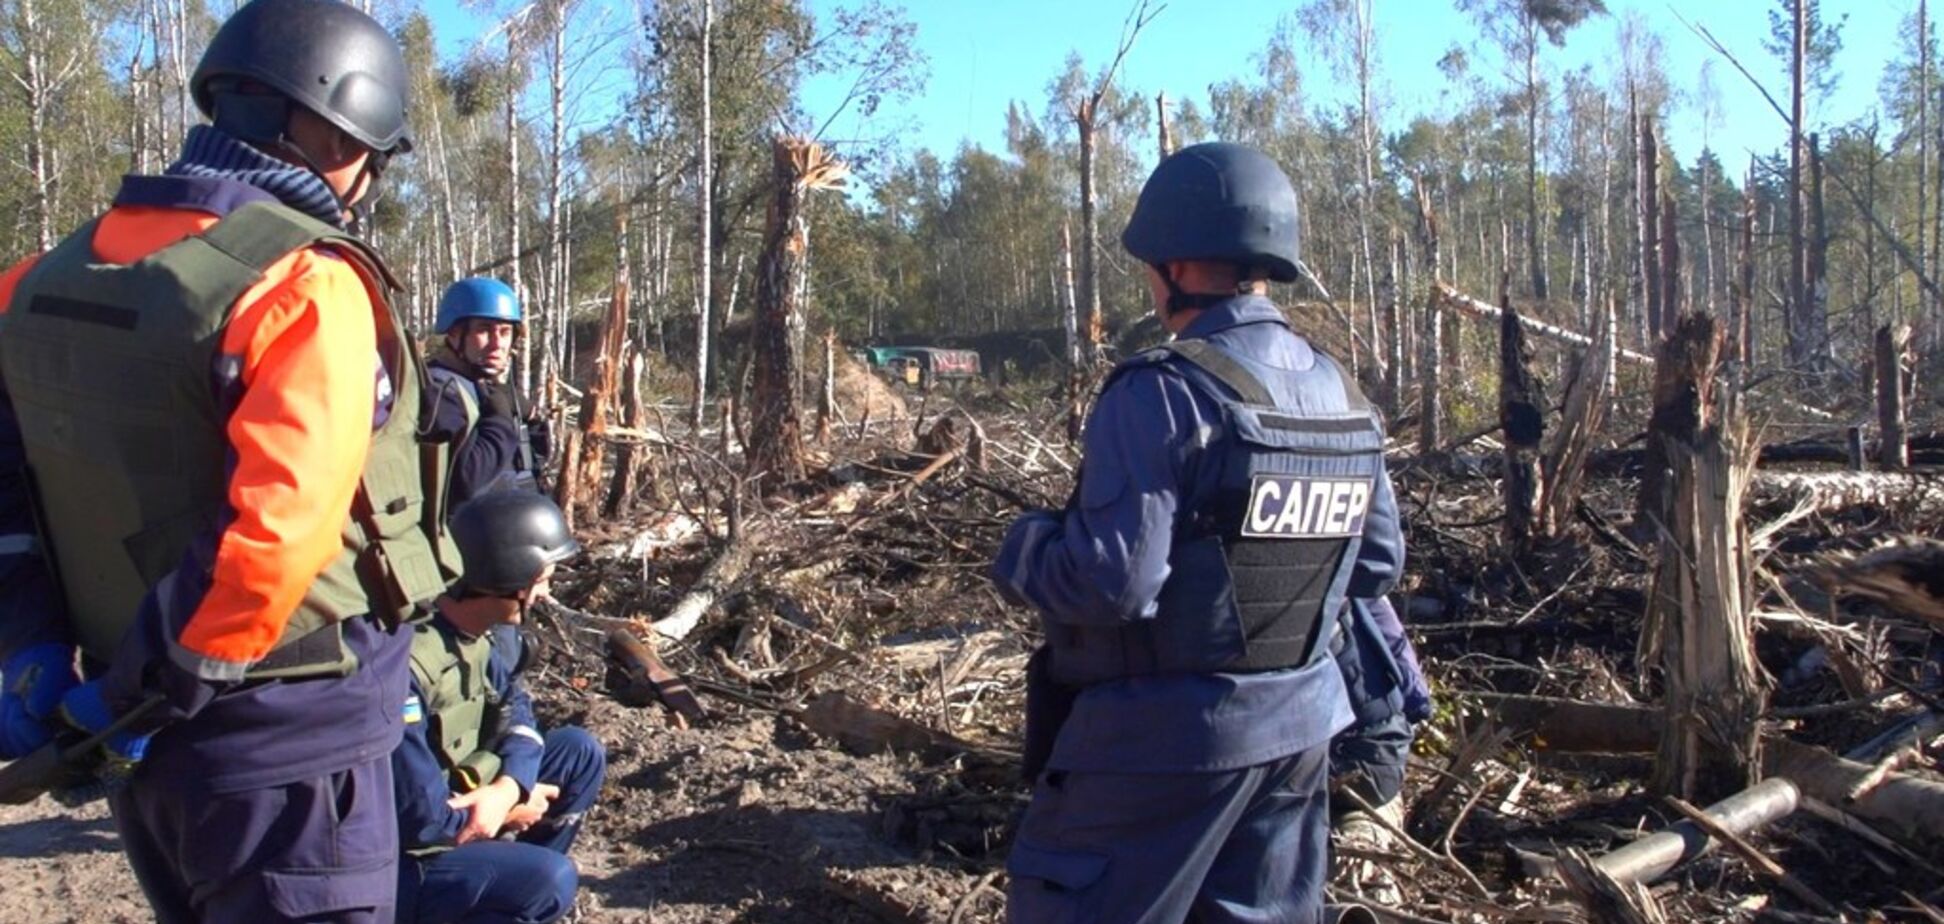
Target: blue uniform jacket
column 1152, row 453
column 421, row 782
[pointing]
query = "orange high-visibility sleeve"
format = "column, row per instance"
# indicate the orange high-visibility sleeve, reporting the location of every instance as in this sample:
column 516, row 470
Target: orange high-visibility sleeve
column 298, row 435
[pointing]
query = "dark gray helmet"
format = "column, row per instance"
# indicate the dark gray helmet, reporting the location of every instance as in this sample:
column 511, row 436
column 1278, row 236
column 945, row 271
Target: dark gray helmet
column 1220, row 202
column 323, row 55
column 507, row 538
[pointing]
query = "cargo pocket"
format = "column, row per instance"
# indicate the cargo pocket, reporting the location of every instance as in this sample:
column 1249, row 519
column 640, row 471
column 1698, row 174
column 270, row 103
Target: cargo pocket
column 1053, row 884
column 310, row 893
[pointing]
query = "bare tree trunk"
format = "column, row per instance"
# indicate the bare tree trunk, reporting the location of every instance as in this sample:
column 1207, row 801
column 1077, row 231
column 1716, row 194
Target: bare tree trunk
column 1075, row 357
column 1390, row 302
column 827, row 395
column 1652, row 310
column 448, row 221
column 1801, row 351
column 604, row 387
column 704, row 214
column 513, row 209
column 1741, row 348
column 775, row 445
column 1672, row 293
column 1815, row 267
column 1089, row 270
column 1430, row 345
column 555, row 314
column 1923, row 122
column 1533, row 256
column 1892, row 347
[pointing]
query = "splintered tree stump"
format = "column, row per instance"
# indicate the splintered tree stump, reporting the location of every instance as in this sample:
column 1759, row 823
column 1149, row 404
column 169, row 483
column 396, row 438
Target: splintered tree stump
column 1587, row 397
column 601, row 393
column 628, row 457
column 1684, row 376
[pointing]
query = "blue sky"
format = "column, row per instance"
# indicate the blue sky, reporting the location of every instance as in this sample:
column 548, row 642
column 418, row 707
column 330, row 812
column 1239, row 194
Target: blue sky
column 987, row 53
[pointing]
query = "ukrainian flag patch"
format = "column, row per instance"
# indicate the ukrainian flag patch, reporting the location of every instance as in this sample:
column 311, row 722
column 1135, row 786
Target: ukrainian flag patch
column 414, row 710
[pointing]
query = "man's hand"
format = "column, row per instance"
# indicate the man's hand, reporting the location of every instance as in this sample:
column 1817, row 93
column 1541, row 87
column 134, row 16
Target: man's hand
column 489, row 805
column 32, row 683
column 528, row 813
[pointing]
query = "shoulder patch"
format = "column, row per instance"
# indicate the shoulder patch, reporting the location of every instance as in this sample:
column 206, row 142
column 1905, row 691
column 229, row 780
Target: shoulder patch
column 414, row 712
column 1295, row 507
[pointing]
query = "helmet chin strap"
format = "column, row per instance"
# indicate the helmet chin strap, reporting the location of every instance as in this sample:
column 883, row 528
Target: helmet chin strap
column 1179, row 300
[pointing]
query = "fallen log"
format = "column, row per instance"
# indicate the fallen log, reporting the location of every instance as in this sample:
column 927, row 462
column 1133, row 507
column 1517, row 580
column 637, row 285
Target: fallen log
column 721, row 575
column 1919, row 494
column 1571, row 725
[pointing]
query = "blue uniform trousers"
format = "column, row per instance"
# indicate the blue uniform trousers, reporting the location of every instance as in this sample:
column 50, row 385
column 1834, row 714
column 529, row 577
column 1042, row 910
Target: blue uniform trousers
column 319, row 850
column 1245, row 846
column 525, row 881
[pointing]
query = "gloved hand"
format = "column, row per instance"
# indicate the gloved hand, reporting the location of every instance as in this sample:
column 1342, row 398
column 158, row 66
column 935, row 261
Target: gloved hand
column 84, row 708
column 32, row 683
column 496, row 400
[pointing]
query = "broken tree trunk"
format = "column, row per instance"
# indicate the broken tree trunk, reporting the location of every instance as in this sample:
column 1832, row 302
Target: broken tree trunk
column 628, row 458
column 1075, row 356
column 1587, row 398
column 1522, row 420
column 601, row 391
column 1711, row 743
column 1657, row 854
column 1907, row 578
column 647, row 677
column 1892, row 343
column 1430, row 346
column 1684, row 379
column 798, row 167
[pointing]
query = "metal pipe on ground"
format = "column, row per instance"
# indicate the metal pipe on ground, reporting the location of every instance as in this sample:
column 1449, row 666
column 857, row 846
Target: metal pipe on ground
column 1655, row 855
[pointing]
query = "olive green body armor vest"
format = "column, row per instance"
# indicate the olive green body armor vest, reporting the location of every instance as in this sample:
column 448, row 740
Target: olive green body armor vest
column 111, row 368
column 461, row 707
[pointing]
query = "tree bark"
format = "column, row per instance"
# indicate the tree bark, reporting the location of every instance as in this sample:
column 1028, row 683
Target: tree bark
column 1075, row 355
column 1586, row 408
column 1648, row 218
column 1801, row 353
column 628, row 458
column 1892, row 345
column 1084, row 119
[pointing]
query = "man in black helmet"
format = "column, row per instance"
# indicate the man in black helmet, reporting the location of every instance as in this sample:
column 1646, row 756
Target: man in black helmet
column 1180, row 710
column 220, row 415
column 474, row 765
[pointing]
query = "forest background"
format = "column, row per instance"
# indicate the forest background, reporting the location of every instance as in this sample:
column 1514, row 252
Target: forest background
column 563, row 144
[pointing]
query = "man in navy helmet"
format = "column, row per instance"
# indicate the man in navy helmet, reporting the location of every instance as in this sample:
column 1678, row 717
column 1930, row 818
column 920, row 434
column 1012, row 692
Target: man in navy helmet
column 221, row 415
column 499, row 445
column 1180, row 710
column 474, row 765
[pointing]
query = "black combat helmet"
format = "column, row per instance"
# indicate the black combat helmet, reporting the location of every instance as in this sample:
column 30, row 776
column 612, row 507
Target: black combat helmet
column 1219, row 202
column 507, row 538
column 323, row 55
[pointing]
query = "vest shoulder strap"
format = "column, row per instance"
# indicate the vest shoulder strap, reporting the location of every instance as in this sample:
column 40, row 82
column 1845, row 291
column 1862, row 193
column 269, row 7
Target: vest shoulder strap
column 1213, row 360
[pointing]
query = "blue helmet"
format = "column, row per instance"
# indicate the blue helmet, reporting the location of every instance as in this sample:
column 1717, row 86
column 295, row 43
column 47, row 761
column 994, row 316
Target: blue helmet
column 479, row 297
column 1220, row 202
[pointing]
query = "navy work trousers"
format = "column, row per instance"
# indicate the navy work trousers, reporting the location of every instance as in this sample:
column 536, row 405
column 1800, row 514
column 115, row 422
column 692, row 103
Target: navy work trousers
column 1245, row 846
column 316, row 851
column 525, row 881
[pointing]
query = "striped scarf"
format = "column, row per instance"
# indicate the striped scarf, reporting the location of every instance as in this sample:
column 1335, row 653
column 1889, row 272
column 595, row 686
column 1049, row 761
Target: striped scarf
column 209, row 151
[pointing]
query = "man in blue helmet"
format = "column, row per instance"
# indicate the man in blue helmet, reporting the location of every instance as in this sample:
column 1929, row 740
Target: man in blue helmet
column 499, row 445
column 1180, row 710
